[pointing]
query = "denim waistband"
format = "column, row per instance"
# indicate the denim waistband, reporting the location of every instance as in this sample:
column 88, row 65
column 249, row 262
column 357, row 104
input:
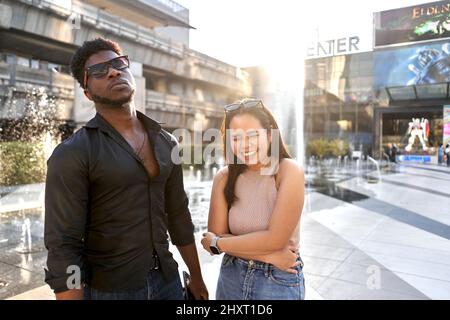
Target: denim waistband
column 256, row 264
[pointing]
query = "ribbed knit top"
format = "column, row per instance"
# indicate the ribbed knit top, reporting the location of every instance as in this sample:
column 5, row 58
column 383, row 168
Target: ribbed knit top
column 252, row 210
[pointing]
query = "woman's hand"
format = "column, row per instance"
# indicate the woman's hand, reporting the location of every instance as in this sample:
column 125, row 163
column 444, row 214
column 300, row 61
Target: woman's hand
column 285, row 260
column 206, row 241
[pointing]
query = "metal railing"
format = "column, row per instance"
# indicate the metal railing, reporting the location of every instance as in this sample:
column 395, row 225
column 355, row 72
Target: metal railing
column 170, row 7
column 213, row 63
column 26, row 76
column 104, row 21
column 49, row 5
column 99, row 19
column 173, row 103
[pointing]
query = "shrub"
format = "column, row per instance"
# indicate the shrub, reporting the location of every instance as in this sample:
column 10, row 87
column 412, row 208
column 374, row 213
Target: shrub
column 317, row 147
column 337, row 148
column 327, row 148
column 22, row 163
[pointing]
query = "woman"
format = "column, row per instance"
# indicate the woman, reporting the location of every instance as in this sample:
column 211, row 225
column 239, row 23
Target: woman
column 255, row 209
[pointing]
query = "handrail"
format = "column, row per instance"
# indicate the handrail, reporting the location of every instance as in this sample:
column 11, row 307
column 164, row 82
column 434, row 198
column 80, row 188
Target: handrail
column 170, row 7
column 103, row 20
column 213, row 63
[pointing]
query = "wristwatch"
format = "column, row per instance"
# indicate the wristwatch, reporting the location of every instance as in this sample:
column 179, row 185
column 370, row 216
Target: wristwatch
column 213, row 246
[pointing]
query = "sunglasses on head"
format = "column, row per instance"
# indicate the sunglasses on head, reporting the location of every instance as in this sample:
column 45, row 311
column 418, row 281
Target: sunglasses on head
column 247, row 104
column 101, row 69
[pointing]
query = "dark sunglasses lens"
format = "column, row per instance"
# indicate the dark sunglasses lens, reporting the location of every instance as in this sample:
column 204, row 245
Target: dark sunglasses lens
column 99, row 70
column 119, row 63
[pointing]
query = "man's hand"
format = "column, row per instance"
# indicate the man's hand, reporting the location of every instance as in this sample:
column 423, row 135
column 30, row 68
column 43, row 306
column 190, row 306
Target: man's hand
column 190, row 257
column 73, row 294
column 198, row 288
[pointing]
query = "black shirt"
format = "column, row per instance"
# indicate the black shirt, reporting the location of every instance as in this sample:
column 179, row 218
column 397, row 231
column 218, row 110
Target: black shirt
column 104, row 214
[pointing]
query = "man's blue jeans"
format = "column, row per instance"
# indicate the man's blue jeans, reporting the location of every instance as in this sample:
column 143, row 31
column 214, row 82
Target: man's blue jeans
column 156, row 288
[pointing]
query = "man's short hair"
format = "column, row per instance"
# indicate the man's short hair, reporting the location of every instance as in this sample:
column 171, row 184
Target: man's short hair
column 85, row 51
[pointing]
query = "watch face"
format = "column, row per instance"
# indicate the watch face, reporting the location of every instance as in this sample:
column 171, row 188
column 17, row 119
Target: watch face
column 214, row 250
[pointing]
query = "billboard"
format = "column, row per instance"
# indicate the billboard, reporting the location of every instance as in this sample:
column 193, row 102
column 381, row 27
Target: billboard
column 419, row 64
column 416, row 23
column 446, row 125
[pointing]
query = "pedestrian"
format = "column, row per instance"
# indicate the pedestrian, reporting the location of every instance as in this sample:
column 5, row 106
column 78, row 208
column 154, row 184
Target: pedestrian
column 394, row 153
column 112, row 194
column 441, row 154
column 447, row 154
column 388, row 151
column 255, row 209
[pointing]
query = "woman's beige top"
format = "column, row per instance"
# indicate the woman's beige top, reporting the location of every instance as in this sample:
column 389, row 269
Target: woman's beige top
column 252, row 210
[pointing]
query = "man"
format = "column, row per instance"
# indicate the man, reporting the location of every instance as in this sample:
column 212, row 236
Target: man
column 394, row 151
column 389, row 151
column 112, row 194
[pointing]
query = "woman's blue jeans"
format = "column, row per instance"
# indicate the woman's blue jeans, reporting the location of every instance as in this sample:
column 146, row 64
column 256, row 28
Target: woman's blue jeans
column 240, row 279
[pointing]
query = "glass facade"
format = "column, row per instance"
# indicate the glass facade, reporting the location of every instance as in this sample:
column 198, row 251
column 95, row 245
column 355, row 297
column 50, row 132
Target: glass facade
column 339, row 99
column 398, row 94
column 398, row 126
column 375, row 99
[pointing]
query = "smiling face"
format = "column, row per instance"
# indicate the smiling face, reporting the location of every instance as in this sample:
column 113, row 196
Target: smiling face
column 249, row 140
column 115, row 88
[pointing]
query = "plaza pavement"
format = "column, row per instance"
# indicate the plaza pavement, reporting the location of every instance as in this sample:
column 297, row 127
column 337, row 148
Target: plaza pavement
column 361, row 238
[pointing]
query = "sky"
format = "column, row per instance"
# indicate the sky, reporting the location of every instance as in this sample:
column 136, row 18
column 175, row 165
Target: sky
column 261, row 32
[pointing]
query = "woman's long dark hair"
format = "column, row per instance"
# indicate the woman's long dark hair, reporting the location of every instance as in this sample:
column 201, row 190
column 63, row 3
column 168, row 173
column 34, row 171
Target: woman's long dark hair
column 268, row 122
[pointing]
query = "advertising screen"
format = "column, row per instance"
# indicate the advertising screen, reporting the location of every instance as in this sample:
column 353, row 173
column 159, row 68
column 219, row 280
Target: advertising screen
column 446, row 129
column 416, row 23
column 414, row 65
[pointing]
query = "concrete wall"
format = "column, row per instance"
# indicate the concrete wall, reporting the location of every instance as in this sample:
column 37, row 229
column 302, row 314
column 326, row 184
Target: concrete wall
column 200, row 83
column 150, row 50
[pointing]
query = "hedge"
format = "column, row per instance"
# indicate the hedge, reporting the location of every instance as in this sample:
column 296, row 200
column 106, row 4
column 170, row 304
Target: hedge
column 22, row 163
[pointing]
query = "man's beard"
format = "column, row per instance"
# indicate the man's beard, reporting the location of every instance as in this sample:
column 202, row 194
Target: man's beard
column 113, row 103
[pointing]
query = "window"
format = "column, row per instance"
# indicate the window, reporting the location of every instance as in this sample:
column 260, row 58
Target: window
column 10, row 58
column 34, row 64
column 23, row 61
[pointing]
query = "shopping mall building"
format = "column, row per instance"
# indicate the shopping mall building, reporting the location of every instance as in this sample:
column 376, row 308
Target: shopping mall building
column 176, row 85
column 396, row 92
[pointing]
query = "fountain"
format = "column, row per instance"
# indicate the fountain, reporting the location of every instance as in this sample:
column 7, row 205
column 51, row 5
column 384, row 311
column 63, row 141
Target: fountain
column 377, row 166
column 25, row 242
column 29, row 131
column 198, row 176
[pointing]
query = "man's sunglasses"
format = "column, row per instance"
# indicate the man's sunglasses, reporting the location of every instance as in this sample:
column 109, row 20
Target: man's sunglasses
column 247, row 104
column 101, row 69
